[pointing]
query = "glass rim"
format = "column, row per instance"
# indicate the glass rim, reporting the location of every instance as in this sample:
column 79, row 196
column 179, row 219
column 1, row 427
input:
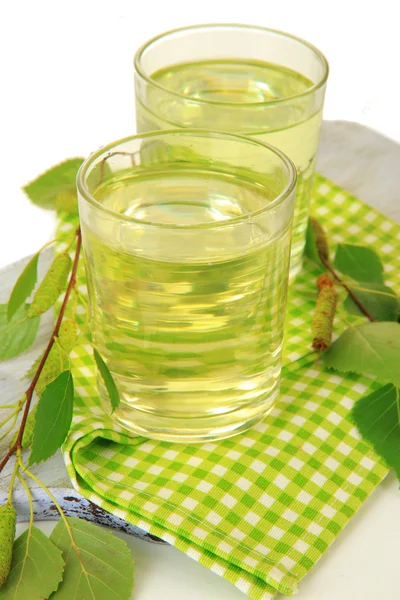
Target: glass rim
column 279, row 199
column 316, row 86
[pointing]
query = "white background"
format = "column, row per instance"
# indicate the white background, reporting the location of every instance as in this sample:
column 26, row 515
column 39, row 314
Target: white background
column 67, row 88
column 67, row 78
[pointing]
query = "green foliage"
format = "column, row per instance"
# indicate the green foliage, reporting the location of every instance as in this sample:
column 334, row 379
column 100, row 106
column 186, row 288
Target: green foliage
column 55, row 188
column 67, row 201
column 33, row 368
column 380, row 301
column 99, row 565
column 8, row 518
column 108, row 380
column 371, row 348
column 23, row 287
column 377, row 417
column 52, row 285
column 53, row 418
column 57, row 359
column 68, row 333
column 311, row 250
column 359, row 263
column 316, row 241
column 52, row 368
column 36, row 568
column 16, row 335
column 28, row 431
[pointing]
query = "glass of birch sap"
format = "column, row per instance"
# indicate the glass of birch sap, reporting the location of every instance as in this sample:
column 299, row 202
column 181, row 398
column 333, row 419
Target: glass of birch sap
column 186, row 238
column 240, row 79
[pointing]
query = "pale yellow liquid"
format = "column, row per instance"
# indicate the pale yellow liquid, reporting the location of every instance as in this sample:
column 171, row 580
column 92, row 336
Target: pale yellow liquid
column 293, row 127
column 192, row 333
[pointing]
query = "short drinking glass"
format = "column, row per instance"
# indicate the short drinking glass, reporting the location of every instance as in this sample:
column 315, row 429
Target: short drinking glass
column 240, row 79
column 186, row 239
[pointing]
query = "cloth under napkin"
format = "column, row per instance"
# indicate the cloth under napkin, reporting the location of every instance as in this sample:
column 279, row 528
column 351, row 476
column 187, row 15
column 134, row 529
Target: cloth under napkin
column 260, row 508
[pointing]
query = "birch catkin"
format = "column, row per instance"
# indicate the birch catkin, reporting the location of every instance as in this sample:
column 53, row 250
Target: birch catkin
column 28, row 431
column 68, row 334
column 52, row 368
column 324, row 313
column 56, row 360
column 51, row 287
column 8, row 519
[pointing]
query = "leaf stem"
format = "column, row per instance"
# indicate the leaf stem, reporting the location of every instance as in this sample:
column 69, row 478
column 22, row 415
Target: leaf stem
column 82, row 300
column 14, row 416
column 70, row 244
column 31, row 388
column 14, row 324
column 9, row 416
column 346, row 287
column 28, row 493
column 48, row 244
column 56, row 504
column 5, row 434
column 110, row 155
column 12, row 481
column 397, row 403
column 343, row 315
column 6, row 406
column 55, row 241
column 48, row 492
column 372, row 291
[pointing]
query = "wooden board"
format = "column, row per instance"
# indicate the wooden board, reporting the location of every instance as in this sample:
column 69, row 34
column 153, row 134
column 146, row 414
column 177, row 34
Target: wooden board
column 360, row 160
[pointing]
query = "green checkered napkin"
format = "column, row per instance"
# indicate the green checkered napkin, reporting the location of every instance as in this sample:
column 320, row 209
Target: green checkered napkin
column 261, row 508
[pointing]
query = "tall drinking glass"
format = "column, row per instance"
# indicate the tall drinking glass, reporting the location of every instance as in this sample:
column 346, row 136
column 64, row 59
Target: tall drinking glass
column 186, row 239
column 241, row 79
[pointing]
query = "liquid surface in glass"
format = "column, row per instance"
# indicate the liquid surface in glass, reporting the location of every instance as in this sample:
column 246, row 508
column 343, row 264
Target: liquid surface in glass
column 189, row 323
column 293, row 127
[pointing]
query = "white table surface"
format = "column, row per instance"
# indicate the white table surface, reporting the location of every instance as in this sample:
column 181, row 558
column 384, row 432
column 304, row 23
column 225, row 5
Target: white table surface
column 363, row 563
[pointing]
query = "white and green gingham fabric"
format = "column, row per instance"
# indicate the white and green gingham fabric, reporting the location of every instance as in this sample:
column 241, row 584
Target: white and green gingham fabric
column 260, row 508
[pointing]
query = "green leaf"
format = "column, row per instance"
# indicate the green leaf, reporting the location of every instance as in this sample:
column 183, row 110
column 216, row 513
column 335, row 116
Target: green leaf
column 48, row 188
column 18, row 334
column 316, row 241
column 359, row 263
column 377, row 417
column 53, row 418
column 36, row 568
column 311, row 250
column 380, row 300
column 23, row 286
column 371, row 348
column 33, row 368
column 52, row 285
column 108, row 380
column 67, row 201
column 99, row 565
